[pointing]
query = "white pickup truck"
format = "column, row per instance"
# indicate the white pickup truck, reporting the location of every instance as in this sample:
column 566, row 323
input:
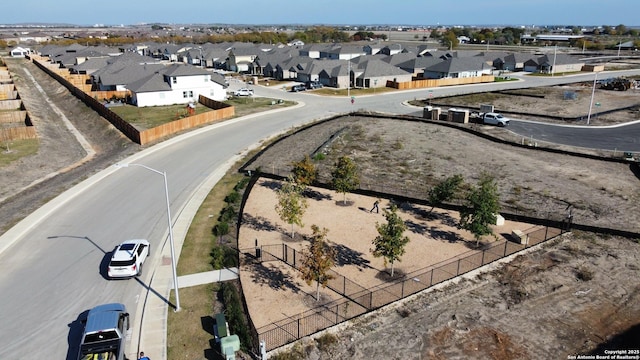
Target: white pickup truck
column 492, row 118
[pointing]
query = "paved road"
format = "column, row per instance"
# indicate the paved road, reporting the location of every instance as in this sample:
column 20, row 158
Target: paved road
column 55, row 269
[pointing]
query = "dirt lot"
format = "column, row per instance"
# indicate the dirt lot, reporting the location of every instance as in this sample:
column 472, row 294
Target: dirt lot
column 566, row 298
column 559, row 286
column 28, row 183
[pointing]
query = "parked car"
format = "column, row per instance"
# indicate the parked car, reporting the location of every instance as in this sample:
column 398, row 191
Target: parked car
column 313, row 85
column 299, row 87
column 243, row 92
column 127, row 258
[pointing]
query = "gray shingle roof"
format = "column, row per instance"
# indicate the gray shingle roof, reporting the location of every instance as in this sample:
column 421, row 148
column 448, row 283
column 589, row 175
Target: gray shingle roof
column 150, row 83
column 456, row 65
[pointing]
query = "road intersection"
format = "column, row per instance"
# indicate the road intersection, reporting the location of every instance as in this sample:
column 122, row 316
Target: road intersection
column 54, row 269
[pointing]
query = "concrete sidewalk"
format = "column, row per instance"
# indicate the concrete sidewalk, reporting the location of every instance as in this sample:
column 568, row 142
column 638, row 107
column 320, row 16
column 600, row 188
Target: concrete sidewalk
column 150, row 324
column 207, row 277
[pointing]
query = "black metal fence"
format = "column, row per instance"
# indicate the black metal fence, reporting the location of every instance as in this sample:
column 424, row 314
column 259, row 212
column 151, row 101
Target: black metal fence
column 359, row 300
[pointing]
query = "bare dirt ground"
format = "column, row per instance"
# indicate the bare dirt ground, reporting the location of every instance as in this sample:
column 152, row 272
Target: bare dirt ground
column 434, row 238
column 565, row 298
column 61, row 160
column 562, row 299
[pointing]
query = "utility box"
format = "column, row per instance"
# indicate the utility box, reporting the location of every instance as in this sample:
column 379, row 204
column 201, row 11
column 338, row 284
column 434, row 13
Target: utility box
column 486, row 108
column 229, row 345
column 499, row 220
column 458, row 116
column 435, row 113
column 426, row 112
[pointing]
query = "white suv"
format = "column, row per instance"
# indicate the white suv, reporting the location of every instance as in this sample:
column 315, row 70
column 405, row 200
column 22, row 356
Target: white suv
column 127, row 258
column 243, row 92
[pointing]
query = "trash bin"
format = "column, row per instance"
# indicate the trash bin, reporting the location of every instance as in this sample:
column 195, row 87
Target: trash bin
column 258, row 253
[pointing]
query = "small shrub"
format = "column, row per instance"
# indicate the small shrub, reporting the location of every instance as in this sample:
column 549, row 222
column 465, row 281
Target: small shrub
column 232, row 198
column 235, row 315
column 227, row 214
column 221, row 229
column 241, row 184
column 296, row 353
column 584, row 274
column 326, row 341
column 319, row 157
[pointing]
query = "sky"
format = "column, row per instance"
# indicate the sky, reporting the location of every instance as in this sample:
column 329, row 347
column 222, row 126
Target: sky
column 329, row 12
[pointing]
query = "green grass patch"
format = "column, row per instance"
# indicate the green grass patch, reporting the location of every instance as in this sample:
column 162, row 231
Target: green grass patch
column 13, row 150
column 186, row 336
column 151, row 116
column 245, row 105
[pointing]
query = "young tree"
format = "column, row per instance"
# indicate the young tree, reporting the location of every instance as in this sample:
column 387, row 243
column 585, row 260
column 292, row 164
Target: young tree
column 344, row 177
column 444, row 190
column 304, row 171
column 317, row 260
column 481, row 209
column 390, row 243
column 291, row 204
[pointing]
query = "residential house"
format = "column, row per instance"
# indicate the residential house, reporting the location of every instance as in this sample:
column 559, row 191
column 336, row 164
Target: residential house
column 392, row 49
column 289, row 68
column 375, row 73
column 122, row 70
column 313, row 51
column 372, row 49
column 296, row 42
column 416, row 65
column 458, row 68
column 345, row 52
column 554, row 63
column 20, row 52
column 336, row 74
column 176, row 84
column 516, row 61
column 241, row 57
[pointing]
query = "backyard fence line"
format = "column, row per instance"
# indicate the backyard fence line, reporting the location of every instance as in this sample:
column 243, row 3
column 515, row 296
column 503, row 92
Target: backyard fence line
column 359, row 300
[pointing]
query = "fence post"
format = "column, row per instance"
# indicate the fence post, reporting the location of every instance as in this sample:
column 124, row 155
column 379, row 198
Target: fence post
column 505, row 249
column 370, row 300
column 402, row 290
column 482, row 263
column 431, row 281
column 298, row 329
column 458, row 270
column 344, row 285
column 294, row 258
column 546, row 230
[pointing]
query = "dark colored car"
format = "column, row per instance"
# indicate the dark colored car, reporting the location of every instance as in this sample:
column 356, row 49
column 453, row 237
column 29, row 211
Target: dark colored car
column 299, row 87
column 313, row 85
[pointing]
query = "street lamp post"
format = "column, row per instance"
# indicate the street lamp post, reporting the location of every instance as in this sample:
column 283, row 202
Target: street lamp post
column 173, row 255
column 593, row 92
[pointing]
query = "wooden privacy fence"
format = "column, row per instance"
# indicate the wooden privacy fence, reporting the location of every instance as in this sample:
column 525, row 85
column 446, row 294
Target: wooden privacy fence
column 10, row 104
column 94, row 100
column 18, row 133
column 14, row 117
column 223, row 111
column 427, row 83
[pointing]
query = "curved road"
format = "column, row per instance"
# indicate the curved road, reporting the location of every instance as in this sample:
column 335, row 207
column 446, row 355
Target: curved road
column 54, row 269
